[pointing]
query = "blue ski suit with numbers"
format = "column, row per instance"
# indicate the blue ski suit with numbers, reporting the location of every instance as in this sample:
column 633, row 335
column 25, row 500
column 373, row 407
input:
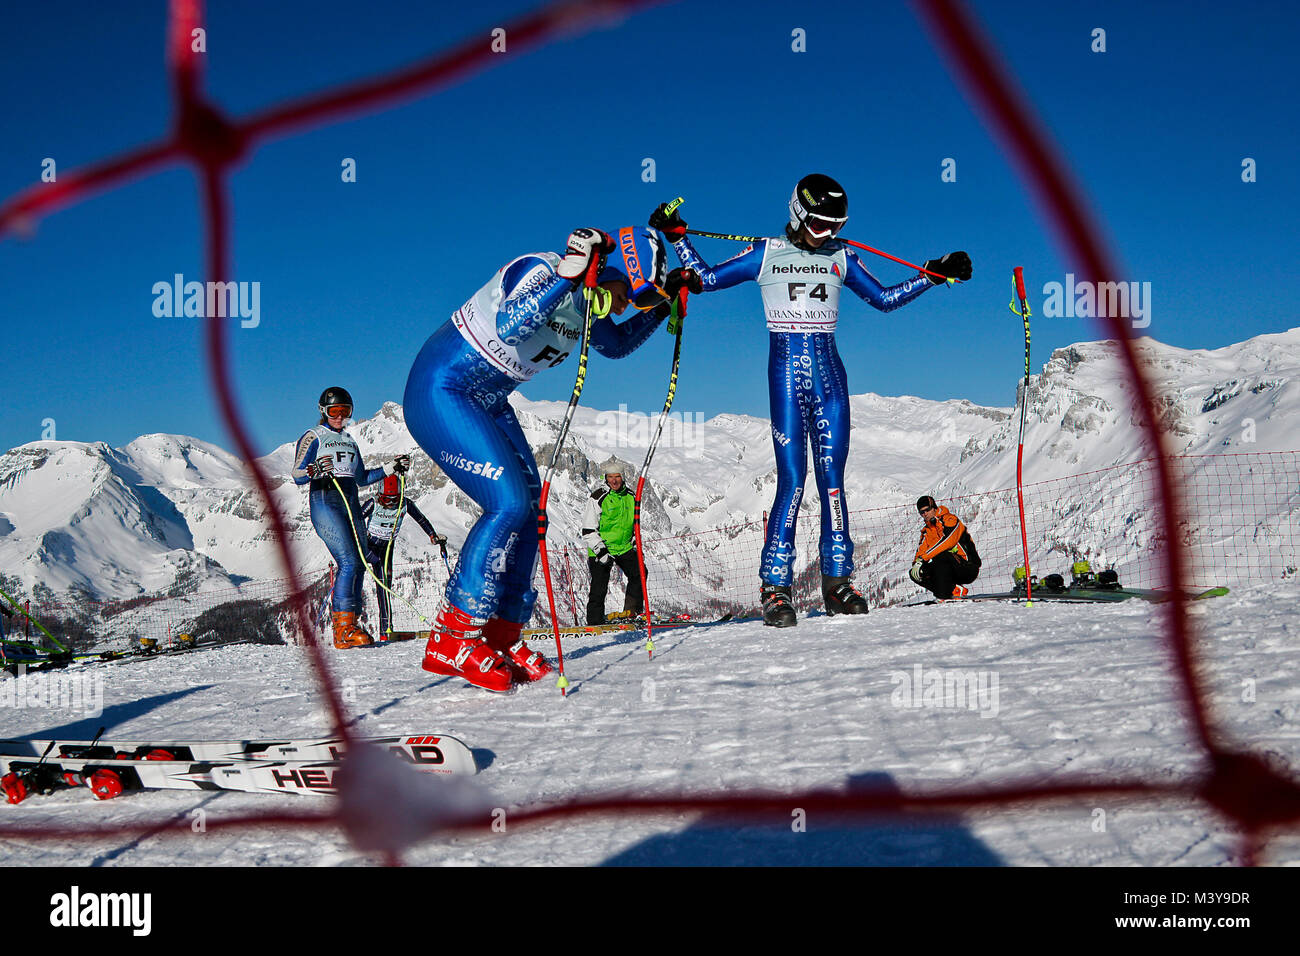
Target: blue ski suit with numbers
column 807, row 385
column 337, row 518
column 525, row 320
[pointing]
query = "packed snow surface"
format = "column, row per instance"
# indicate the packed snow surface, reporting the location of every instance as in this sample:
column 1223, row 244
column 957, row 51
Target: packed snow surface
column 1057, row 692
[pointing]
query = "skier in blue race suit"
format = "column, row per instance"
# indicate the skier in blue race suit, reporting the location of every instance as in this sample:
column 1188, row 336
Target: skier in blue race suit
column 328, row 460
column 527, row 319
column 800, row 277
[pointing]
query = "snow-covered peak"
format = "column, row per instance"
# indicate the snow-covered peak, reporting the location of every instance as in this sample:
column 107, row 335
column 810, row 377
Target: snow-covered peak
column 169, row 511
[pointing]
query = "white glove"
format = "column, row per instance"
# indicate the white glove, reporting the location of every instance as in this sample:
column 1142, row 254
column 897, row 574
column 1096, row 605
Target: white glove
column 584, row 244
column 321, row 468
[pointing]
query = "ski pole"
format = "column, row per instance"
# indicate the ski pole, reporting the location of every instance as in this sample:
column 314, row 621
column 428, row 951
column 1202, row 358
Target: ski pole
column 1018, row 281
column 593, row 270
column 847, row 242
column 675, row 323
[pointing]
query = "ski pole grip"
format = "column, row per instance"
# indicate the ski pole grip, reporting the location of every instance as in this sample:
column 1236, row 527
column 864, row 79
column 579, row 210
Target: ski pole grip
column 1019, row 272
column 672, row 206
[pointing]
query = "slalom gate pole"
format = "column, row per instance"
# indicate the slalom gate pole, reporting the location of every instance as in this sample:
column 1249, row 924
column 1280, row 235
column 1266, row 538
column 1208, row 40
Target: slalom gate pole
column 1023, row 312
column 568, row 573
column 39, row 626
column 675, row 323
column 593, row 270
column 847, row 242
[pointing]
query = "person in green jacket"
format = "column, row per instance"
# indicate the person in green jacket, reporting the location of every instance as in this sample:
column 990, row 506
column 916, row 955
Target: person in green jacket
column 607, row 532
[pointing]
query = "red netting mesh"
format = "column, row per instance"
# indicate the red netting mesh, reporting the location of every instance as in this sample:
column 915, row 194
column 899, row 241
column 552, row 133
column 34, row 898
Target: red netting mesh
column 1240, row 786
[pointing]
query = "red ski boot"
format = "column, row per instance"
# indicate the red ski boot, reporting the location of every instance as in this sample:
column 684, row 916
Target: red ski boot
column 456, row 648
column 503, row 636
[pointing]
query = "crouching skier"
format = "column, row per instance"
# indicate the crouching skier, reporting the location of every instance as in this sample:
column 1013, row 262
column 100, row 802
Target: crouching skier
column 800, row 277
column 528, row 318
column 328, row 460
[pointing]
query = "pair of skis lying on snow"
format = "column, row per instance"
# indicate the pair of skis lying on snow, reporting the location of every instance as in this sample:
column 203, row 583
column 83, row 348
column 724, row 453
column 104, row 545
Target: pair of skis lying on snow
column 110, row 767
column 1085, row 595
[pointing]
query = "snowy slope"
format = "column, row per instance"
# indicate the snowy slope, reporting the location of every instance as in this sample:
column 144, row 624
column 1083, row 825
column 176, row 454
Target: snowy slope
column 1081, row 692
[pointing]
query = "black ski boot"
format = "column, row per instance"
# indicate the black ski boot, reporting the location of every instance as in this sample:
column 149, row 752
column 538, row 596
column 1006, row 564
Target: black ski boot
column 841, row 597
column 778, row 611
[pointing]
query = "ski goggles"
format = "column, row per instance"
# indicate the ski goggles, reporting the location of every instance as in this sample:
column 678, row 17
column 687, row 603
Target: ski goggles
column 388, row 501
column 338, row 411
column 821, row 228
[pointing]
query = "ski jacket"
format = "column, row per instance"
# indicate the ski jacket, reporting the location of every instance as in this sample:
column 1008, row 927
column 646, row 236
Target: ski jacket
column 801, row 287
column 382, row 524
column 528, row 318
column 607, row 521
column 324, row 442
column 946, row 534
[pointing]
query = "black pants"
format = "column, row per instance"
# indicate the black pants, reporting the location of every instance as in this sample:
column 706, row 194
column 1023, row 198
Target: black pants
column 634, row 601
column 376, row 551
column 940, row 575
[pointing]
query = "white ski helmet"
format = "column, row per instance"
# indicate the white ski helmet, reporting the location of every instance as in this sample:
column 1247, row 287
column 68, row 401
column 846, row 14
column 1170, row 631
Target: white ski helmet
column 613, row 466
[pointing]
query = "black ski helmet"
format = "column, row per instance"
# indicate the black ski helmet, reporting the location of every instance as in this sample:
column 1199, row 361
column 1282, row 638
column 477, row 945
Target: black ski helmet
column 334, row 395
column 925, row 501
column 819, row 203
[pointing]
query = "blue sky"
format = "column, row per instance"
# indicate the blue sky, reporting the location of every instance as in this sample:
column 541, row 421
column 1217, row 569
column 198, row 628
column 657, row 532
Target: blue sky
column 355, row 276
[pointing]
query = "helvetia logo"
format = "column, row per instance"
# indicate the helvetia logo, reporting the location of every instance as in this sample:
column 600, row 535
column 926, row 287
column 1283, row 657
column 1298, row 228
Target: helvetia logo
column 780, row 270
column 484, row 468
column 836, row 501
column 77, row 909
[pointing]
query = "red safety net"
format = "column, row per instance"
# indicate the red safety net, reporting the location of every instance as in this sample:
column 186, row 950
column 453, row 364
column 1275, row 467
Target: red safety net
column 1241, row 526
column 1241, row 786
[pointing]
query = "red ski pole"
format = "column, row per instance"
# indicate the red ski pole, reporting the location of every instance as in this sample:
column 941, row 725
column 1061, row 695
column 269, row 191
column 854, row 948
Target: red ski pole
column 1023, row 312
column 847, row 242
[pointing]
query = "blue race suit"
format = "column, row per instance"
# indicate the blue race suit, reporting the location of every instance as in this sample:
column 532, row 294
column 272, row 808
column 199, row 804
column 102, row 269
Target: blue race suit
column 525, row 319
column 337, row 518
column 807, row 385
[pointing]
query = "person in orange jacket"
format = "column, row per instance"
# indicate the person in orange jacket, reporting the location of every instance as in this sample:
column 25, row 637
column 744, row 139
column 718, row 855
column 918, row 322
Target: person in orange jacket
column 946, row 560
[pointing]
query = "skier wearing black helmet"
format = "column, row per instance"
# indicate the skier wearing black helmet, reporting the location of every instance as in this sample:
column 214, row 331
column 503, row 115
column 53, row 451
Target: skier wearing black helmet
column 800, row 277
column 328, row 461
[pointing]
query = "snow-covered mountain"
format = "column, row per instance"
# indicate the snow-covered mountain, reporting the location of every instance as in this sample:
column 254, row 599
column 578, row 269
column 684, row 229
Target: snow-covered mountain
column 169, row 514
